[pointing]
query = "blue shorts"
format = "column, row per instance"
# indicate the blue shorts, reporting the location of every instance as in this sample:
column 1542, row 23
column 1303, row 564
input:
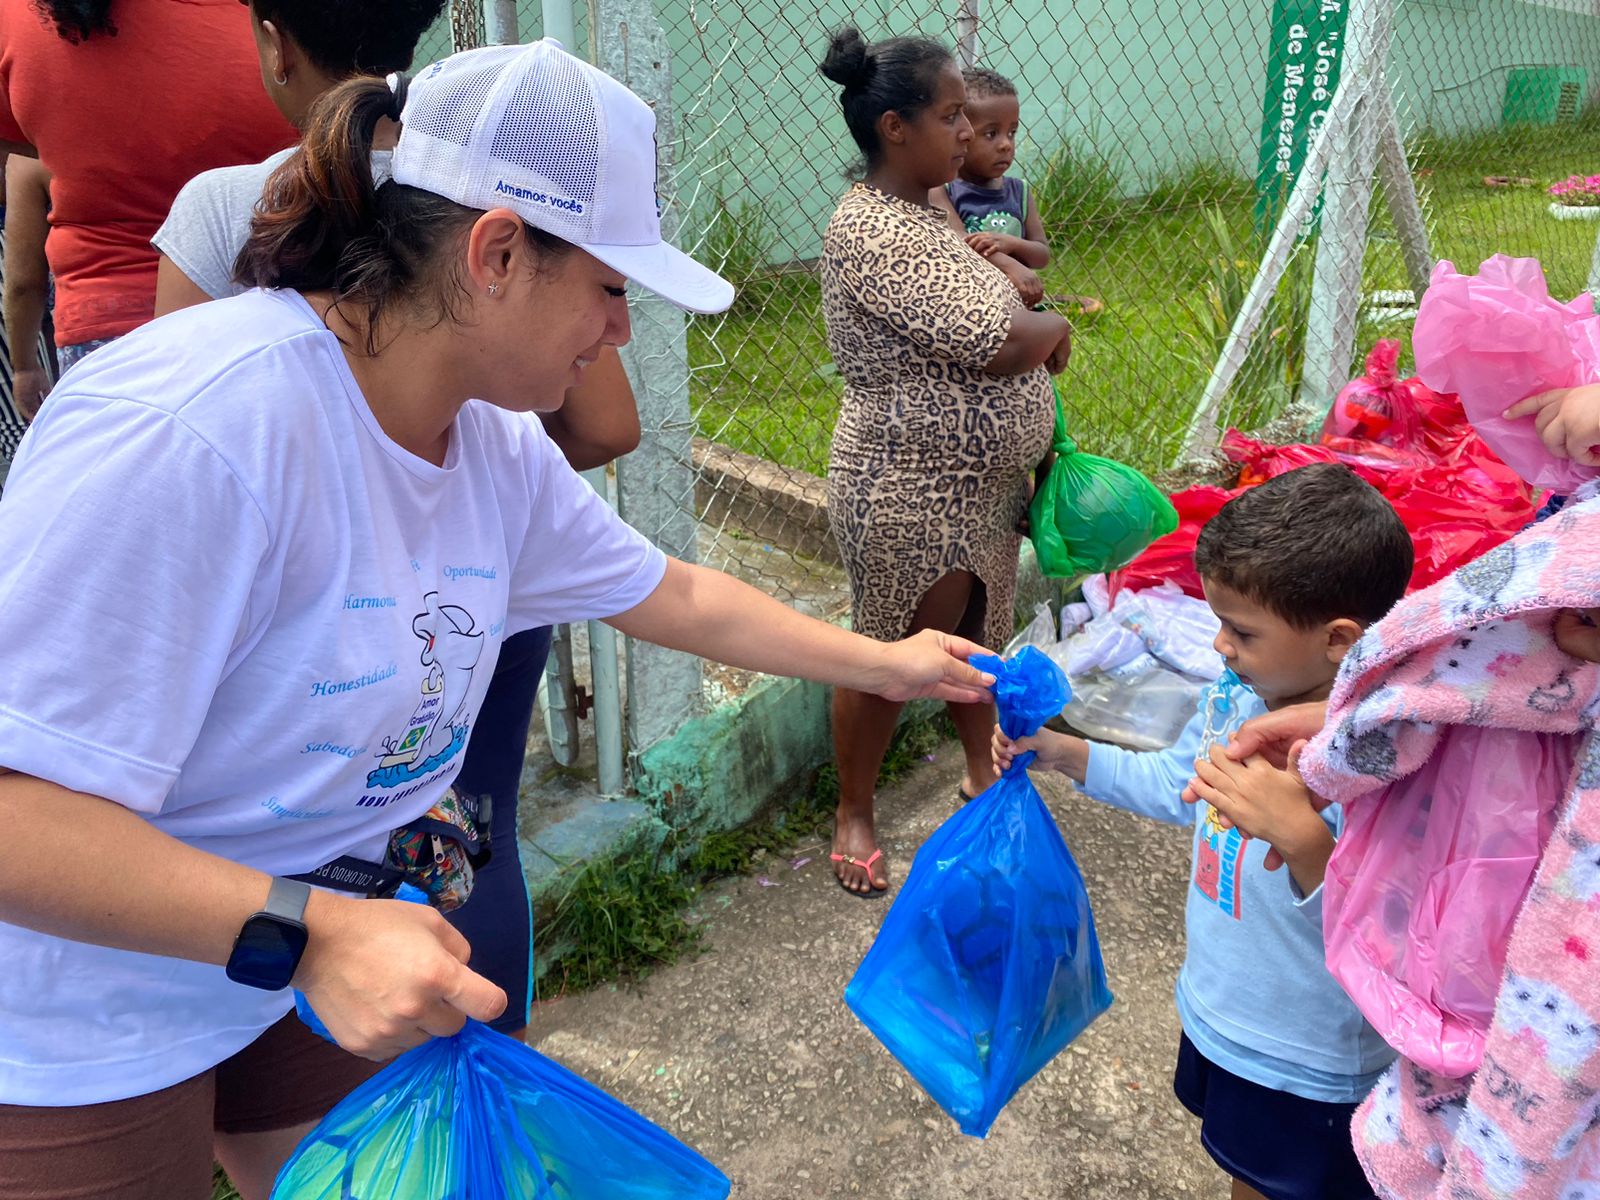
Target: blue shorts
column 1283, row 1145
column 496, row 919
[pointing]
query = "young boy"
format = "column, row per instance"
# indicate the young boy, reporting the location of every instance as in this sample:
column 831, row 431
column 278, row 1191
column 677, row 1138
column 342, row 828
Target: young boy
column 1274, row 1057
column 995, row 211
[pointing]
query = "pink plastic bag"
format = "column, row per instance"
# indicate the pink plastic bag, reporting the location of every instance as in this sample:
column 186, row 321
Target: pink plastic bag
column 1497, row 338
column 1425, row 883
column 1376, row 407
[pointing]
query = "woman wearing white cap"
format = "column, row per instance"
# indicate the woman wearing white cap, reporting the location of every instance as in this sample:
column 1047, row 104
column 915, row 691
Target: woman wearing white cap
column 256, row 561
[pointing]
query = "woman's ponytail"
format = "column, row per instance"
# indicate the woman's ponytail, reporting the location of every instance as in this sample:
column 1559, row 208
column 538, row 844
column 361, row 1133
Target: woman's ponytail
column 323, row 225
column 322, row 199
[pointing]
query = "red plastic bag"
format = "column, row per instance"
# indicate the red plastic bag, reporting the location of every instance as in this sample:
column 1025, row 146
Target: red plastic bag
column 1456, row 506
column 1377, row 406
column 1260, row 461
column 1172, row 557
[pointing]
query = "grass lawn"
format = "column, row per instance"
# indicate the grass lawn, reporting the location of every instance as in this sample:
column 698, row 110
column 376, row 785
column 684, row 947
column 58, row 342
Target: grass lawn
column 762, row 380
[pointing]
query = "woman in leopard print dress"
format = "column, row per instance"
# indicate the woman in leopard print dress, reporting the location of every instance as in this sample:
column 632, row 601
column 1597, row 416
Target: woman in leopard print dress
column 947, row 408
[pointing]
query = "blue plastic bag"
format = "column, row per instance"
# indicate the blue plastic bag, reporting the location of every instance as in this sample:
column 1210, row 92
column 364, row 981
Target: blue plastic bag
column 481, row 1116
column 988, row 963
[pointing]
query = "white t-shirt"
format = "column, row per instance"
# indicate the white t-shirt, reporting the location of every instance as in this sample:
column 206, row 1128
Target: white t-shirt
column 210, row 220
column 233, row 605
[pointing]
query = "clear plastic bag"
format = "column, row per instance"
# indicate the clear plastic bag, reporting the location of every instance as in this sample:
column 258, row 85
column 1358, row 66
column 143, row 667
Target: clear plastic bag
column 1144, row 711
column 480, row 1116
column 1041, row 631
column 1103, row 644
column 988, row 963
column 1179, row 630
column 1425, row 883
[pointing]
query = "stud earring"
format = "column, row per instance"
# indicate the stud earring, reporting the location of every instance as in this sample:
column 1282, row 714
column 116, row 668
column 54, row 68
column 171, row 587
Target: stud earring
column 494, row 288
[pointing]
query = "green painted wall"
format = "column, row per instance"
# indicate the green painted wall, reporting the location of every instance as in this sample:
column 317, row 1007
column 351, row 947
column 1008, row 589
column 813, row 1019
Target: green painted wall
column 1153, row 84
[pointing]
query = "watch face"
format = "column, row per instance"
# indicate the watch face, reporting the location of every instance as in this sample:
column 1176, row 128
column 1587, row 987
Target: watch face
column 266, row 952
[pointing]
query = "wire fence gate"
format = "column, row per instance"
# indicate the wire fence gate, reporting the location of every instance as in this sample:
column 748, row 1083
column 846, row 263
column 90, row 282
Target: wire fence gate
column 1240, row 196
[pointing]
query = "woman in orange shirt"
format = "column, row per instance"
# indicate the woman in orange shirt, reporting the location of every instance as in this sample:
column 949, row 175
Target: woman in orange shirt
column 123, row 103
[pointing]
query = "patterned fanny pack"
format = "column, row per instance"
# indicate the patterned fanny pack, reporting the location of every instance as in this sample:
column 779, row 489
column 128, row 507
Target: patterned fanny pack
column 440, row 853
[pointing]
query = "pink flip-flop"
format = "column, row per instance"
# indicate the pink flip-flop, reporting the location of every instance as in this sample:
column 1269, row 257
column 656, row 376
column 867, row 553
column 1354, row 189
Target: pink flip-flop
column 872, row 893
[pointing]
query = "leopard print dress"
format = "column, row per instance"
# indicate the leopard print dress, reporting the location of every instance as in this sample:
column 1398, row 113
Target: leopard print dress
column 929, row 471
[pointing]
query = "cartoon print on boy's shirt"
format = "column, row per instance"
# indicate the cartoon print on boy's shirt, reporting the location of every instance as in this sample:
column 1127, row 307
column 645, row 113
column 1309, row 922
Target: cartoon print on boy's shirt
column 1217, row 864
column 437, row 732
column 1219, row 856
column 998, row 221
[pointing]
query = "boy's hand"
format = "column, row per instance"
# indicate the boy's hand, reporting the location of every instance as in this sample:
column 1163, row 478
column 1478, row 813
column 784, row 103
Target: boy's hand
column 1055, row 752
column 1578, row 633
column 1002, row 750
column 1272, row 805
column 985, row 243
column 1027, row 282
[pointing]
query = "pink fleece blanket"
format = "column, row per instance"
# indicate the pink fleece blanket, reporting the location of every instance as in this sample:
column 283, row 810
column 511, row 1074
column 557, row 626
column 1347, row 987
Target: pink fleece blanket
column 1476, row 649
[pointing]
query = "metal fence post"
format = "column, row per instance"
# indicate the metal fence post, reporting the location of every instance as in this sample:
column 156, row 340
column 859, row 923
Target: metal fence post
column 1201, row 436
column 500, row 22
column 1400, row 192
column 558, row 24
column 655, row 484
column 1594, row 271
column 968, row 21
column 1347, row 201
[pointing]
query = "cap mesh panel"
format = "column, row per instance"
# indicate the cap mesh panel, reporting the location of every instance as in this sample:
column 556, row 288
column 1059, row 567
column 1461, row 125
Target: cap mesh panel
column 562, row 100
column 453, row 105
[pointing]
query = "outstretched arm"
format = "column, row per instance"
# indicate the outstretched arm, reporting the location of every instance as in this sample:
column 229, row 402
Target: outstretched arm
column 713, row 615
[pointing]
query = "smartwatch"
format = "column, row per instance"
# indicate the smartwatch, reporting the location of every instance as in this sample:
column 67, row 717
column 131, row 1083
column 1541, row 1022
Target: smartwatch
column 270, row 943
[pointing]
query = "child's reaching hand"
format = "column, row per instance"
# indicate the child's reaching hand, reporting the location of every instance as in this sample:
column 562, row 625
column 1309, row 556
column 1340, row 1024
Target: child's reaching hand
column 1274, row 805
column 1054, row 751
column 1568, row 421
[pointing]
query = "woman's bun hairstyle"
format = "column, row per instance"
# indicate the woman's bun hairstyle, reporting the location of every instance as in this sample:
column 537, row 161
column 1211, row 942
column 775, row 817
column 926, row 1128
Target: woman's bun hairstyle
column 897, row 75
column 848, row 61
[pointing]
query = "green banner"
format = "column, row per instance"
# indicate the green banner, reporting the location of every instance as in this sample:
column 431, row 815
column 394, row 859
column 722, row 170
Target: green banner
column 1303, row 61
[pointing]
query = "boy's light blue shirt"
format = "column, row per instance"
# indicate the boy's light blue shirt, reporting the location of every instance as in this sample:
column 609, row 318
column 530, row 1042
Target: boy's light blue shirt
column 1254, row 995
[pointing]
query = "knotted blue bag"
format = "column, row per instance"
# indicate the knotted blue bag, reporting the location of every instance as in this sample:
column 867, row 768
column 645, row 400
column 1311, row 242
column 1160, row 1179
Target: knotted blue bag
column 988, row 963
column 481, row 1116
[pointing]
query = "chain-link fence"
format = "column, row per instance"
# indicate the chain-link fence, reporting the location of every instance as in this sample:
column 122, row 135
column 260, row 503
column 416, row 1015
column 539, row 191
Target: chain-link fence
column 1162, row 143
column 1144, row 130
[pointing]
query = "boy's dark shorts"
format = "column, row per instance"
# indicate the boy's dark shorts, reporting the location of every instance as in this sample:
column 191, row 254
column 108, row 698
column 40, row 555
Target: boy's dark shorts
column 1283, row 1145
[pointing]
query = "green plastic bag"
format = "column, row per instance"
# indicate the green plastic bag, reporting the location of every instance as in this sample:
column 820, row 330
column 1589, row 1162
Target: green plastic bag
column 1092, row 514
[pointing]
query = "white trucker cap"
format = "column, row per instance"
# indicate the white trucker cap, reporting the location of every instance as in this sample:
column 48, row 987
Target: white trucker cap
column 561, row 144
